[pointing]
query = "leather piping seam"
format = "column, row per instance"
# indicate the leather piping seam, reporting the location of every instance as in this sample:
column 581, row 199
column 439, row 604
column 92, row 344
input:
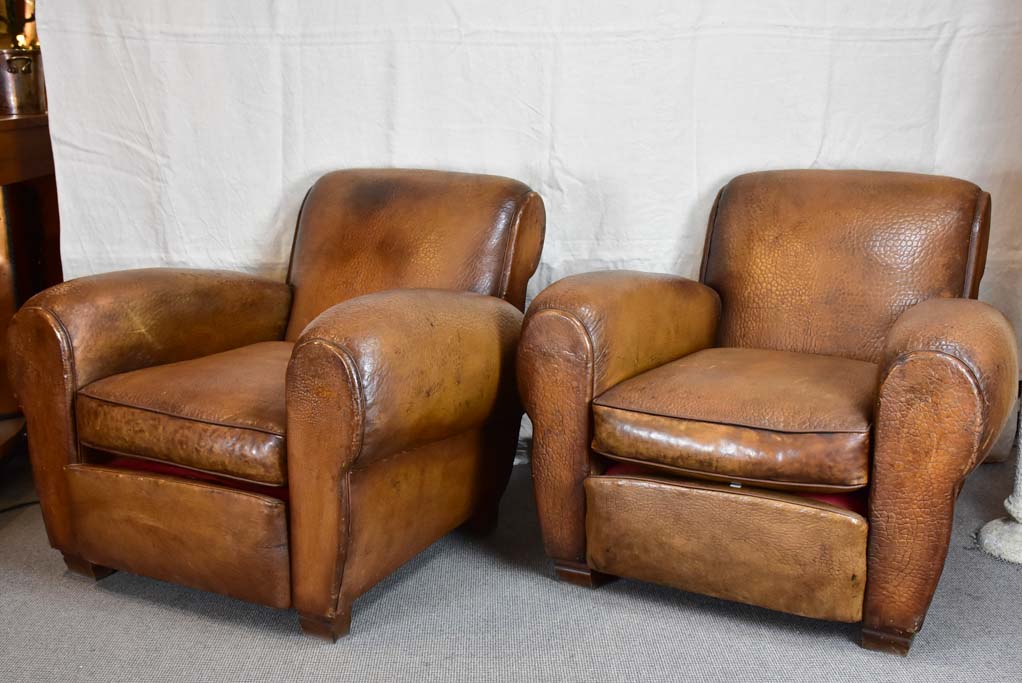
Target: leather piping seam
column 67, row 354
column 807, row 487
column 970, row 289
column 709, row 233
column 291, row 263
column 507, row 262
column 355, row 446
column 748, row 493
column 822, row 432
column 192, row 468
column 164, row 413
column 267, row 501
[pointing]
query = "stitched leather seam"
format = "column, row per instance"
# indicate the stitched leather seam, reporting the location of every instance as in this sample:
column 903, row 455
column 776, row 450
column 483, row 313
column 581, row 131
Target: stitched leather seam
column 760, row 495
column 681, row 418
column 802, row 485
column 265, row 500
column 193, row 468
column 163, row 413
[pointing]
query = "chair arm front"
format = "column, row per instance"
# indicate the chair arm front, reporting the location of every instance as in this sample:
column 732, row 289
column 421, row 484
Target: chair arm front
column 90, row 328
column 582, row 335
column 374, row 376
column 948, row 381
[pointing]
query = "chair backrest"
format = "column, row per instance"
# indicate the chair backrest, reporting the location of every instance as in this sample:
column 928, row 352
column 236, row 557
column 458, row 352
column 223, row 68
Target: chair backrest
column 362, row 231
column 824, row 261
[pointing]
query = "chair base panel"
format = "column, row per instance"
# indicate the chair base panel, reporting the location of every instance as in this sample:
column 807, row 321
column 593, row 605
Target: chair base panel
column 191, row 533
column 710, row 539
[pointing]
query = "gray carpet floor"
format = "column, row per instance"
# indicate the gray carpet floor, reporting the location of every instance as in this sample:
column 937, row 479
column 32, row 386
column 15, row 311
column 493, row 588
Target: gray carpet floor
column 471, row 609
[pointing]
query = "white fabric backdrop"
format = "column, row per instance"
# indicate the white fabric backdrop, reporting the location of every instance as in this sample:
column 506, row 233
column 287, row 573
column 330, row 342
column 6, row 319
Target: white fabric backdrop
column 186, row 132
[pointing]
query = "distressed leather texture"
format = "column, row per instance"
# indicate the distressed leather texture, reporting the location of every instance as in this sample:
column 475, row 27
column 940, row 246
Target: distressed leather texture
column 583, row 335
column 363, row 231
column 845, row 353
column 187, row 532
column 379, row 376
column 390, row 346
column 789, row 249
column 948, row 385
column 222, row 413
column 762, row 548
column 94, row 327
column 768, row 418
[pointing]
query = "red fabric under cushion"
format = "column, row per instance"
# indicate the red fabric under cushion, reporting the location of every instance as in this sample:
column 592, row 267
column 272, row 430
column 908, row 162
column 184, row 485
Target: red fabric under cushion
column 140, row 465
column 856, row 501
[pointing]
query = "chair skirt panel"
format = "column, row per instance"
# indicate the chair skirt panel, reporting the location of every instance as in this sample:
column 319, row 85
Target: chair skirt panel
column 759, row 547
column 189, row 532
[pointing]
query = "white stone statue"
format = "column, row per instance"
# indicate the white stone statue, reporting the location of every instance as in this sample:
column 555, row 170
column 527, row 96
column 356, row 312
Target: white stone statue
column 1003, row 537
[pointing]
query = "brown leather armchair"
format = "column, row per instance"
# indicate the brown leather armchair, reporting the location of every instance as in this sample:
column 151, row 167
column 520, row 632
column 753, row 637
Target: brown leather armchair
column 290, row 444
column 792, row 430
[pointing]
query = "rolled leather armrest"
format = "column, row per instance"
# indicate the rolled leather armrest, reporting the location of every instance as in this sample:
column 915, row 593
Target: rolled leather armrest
column 93, row 327
column 974, row 334
column 948, row 380
column 371, row 377
column 634, row 321
column 581, row 336
column 411, row 366
column 126, row 320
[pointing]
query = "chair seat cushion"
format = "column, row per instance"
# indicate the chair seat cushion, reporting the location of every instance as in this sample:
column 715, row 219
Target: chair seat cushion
column 767, row 418
column 222, row 414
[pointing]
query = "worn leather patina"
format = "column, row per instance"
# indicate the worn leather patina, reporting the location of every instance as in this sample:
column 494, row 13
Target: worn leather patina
column 831, row 347
column 291, row 423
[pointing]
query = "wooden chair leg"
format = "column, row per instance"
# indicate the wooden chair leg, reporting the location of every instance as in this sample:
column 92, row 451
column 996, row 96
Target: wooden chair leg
column 316, row 626
column 81, row 567
column 581, row 575
column 886, row 641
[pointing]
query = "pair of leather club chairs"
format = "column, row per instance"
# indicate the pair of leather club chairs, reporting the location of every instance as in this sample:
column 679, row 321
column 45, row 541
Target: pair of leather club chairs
column 790, row 431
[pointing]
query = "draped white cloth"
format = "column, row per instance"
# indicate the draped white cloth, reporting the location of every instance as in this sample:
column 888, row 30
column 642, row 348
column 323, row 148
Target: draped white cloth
column 186, row 132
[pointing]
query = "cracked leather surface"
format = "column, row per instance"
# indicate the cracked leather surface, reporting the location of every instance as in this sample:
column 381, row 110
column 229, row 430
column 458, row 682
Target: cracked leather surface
column 789, row 249
column 747, row 415
column 86, row 329
column 949, row 382
column 222, row 413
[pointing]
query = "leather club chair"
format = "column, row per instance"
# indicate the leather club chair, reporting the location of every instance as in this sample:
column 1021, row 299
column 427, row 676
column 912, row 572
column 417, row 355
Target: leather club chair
column 792, row 430
column 289, row 444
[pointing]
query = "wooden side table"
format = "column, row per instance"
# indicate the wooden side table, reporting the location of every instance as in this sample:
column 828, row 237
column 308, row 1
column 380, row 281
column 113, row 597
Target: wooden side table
column 29, row 240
